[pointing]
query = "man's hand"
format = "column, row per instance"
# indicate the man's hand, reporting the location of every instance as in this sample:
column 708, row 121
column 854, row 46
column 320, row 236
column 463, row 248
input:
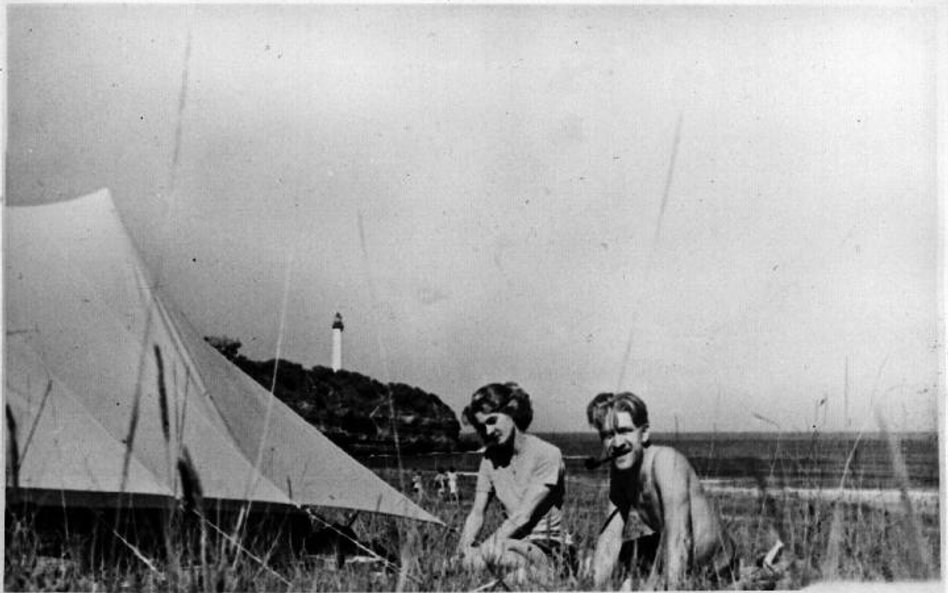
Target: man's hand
column 607, row 548
column 491, row 549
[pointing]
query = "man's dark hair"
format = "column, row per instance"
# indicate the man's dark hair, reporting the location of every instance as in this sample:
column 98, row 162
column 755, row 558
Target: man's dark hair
column 625, row 401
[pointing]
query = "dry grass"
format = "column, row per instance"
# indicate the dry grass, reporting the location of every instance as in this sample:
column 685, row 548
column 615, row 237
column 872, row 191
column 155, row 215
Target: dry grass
column 181, row 548
column 852, row 541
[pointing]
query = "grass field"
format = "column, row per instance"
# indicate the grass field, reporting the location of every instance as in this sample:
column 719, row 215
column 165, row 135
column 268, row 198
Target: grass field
column 823, row 540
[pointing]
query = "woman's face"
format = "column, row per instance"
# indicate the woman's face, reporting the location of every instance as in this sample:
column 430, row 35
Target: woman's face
column 498, row 428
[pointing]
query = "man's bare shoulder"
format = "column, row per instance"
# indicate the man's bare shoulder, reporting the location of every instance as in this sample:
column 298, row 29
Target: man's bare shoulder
column 668, row 461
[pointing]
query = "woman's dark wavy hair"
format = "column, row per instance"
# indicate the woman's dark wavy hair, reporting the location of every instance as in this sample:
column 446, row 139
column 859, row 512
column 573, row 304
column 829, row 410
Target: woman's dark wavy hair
column 626, row 401
column 505, row 398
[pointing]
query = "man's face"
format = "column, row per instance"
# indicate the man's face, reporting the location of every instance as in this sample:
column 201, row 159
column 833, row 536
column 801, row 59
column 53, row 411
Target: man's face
column 624, row 435
column 498, row 428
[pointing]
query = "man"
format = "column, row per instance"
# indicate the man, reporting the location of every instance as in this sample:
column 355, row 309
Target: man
column 441, row 482
column 660, row 486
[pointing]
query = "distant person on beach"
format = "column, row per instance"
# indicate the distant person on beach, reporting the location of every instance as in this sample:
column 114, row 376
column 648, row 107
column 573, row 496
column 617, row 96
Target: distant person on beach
column 527, row 476
column 441, row 483
column 418, row 485
column 453, row 485
column 661, row 487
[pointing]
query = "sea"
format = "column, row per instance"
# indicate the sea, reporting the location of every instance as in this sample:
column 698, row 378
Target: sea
column 803, row 460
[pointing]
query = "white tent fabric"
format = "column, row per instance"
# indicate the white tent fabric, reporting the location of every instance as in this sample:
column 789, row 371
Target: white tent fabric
column 86, row 327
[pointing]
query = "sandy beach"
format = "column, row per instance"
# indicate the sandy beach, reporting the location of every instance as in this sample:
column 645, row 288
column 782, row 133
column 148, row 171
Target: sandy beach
column 922, row 500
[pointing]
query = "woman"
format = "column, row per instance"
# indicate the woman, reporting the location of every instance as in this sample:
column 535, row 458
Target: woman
column 523, row 472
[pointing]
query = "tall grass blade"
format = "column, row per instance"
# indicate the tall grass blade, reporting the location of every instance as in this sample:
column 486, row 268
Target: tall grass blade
column 130, row 437
column 39, row 415
column 236, row 544
column 182, row 101
column 488, row 586
column 147, row 290
column 405, row 559
column 166, row 433
column 130, row 440
column 163, row 397
column 14, row 450
column 261, row 446
column 193, row 497
column 669, row 176
column 625, row 357
column 182, row 416
column 138, row 553
column 769, row 513
column 653, row 247
column 830, row 565
column 924, row 562
column 376, row 322
column 393, row 419
column 192, row 492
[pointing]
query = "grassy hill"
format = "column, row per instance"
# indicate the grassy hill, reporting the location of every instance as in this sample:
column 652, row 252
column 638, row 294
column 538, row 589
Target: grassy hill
column 359, row 413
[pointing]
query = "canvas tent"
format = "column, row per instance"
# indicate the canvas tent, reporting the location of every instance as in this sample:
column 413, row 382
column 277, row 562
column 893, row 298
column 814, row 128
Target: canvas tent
column 89, row 337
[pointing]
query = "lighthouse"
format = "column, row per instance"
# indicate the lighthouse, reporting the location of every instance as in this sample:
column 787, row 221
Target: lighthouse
column 337, row 343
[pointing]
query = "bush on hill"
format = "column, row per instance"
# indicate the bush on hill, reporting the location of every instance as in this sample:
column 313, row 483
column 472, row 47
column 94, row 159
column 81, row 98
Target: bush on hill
column 357, row 412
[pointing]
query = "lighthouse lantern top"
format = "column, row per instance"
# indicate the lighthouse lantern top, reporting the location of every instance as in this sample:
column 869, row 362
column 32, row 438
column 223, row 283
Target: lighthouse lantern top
column 337, row 322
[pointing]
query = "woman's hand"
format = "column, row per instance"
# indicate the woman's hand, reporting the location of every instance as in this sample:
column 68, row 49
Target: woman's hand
column 469, row 557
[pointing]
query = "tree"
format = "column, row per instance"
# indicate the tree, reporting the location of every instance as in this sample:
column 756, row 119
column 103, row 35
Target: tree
column 229, row 347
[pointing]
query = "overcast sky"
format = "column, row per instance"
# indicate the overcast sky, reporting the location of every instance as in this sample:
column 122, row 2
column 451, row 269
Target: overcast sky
column 714, row 207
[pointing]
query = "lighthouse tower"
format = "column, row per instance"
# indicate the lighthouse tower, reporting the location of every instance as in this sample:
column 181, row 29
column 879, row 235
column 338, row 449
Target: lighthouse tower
column 337, row 343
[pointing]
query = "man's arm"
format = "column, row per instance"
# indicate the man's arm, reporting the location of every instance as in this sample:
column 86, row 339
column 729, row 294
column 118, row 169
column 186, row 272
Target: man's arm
column 474, row 521
column 608, row 547
column 672, row 473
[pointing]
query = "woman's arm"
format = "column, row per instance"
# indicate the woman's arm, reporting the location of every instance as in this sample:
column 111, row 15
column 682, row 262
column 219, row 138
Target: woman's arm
column 513, row 526
column 474, row 521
